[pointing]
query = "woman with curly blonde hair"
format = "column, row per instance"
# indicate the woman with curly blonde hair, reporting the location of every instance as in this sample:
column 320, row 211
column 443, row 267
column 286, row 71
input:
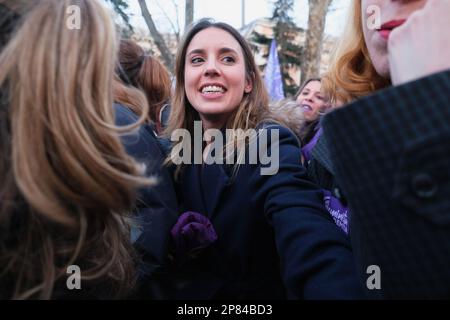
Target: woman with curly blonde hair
column 67, row 183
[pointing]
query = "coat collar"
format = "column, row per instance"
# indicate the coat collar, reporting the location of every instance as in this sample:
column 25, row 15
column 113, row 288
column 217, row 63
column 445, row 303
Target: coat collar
column 321, row 153
column 214, row 180
column 204, row 185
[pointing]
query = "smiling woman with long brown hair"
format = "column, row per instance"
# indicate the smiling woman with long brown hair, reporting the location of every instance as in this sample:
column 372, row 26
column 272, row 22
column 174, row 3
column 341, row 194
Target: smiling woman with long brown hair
column 66, row 180
column 246, row 234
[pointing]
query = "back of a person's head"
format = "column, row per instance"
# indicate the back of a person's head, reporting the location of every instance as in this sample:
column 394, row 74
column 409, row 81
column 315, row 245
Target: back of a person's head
column 147, row 73
column 130, row 97
column 66, row 179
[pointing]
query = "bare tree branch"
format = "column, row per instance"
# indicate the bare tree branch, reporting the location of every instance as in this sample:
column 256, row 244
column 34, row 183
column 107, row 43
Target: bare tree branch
column 189, row 13
column 159, row 41
column 178, row 20
column 120, row 6
column 314, row 38
column 176, row 30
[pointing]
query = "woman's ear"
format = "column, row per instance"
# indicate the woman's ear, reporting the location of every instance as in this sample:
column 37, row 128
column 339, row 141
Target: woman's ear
column 248, row 85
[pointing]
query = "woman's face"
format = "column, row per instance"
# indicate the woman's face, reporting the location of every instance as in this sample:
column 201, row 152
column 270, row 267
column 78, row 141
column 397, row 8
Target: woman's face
column 215, row 76
column 393, row 13
column 311, row 100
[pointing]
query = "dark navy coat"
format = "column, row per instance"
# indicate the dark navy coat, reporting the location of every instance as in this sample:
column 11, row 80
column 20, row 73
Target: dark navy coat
column 275, row 239
column 157, row 206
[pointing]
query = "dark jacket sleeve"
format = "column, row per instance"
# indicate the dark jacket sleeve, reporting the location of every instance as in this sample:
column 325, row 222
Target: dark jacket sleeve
column 391, row 155
column 316, row 258
column 157, row 208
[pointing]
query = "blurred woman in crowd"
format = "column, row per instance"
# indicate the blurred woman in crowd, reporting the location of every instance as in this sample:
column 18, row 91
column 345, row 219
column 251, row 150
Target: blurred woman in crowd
column 314, row 104
column 311, row 99
column 303, row 115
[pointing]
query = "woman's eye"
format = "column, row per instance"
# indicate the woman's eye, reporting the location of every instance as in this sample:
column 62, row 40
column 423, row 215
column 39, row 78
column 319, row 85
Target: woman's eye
column 229, row 59
column 196, row 60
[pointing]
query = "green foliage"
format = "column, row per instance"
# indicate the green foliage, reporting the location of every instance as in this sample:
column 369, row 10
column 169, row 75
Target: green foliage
column 259, row 38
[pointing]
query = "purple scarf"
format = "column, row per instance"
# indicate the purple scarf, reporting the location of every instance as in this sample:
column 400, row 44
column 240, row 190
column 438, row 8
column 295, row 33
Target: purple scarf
column 337, row 210
column 307, row 148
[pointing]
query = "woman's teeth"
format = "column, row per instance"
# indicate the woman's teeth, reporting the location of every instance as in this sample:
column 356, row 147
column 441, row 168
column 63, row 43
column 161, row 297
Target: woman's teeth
column 212, row 89
column 306, row 108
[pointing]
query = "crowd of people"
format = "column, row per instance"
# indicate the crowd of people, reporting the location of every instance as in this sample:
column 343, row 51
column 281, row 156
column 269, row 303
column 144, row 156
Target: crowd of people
column 88, row 176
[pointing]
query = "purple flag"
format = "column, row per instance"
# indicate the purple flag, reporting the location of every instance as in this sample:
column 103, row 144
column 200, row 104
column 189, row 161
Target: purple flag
column 272, row 75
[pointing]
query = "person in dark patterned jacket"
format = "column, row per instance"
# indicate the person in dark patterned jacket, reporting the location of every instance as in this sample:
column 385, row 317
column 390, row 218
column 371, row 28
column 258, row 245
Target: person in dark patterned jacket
column 386, row 152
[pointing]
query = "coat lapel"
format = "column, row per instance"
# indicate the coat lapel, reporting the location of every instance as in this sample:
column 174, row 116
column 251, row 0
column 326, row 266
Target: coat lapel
column 214, row 181
column 321, row 153
column 191, row 183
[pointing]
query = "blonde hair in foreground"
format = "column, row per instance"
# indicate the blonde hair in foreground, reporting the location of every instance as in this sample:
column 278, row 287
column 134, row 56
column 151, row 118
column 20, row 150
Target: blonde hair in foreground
column 351, row 73
column 67, row 182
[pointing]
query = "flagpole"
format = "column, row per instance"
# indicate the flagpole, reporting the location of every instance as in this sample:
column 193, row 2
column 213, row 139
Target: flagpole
column 243, row 12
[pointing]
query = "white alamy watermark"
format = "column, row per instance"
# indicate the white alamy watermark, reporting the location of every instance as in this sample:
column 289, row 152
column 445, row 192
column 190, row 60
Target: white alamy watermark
column 374, row 280
column 261, row 150
column 73, row 20
column 374, row 20
column 74, row 278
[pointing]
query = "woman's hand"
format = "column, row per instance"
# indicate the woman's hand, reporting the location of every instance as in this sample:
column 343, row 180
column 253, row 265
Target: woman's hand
column 421, row 46
column 192, row 233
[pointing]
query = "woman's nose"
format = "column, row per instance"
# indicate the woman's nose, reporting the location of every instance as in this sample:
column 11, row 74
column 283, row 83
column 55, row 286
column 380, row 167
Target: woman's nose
column 309, row 98
column 211, row 68
column 211, row 72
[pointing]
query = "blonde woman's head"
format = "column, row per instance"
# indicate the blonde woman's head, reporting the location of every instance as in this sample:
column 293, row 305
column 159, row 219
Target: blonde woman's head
column 67, row 182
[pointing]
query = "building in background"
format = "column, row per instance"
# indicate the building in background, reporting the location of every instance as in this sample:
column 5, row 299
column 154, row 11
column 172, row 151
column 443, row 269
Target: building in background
column 265, row 27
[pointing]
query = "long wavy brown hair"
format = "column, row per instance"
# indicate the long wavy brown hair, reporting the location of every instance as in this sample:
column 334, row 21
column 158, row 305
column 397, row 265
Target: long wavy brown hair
column 147, row 73
column 351, row 73
column 253, row 108
column 66, row 181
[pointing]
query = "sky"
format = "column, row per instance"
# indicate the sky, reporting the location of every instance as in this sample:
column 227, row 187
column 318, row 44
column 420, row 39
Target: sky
column 229, row 11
